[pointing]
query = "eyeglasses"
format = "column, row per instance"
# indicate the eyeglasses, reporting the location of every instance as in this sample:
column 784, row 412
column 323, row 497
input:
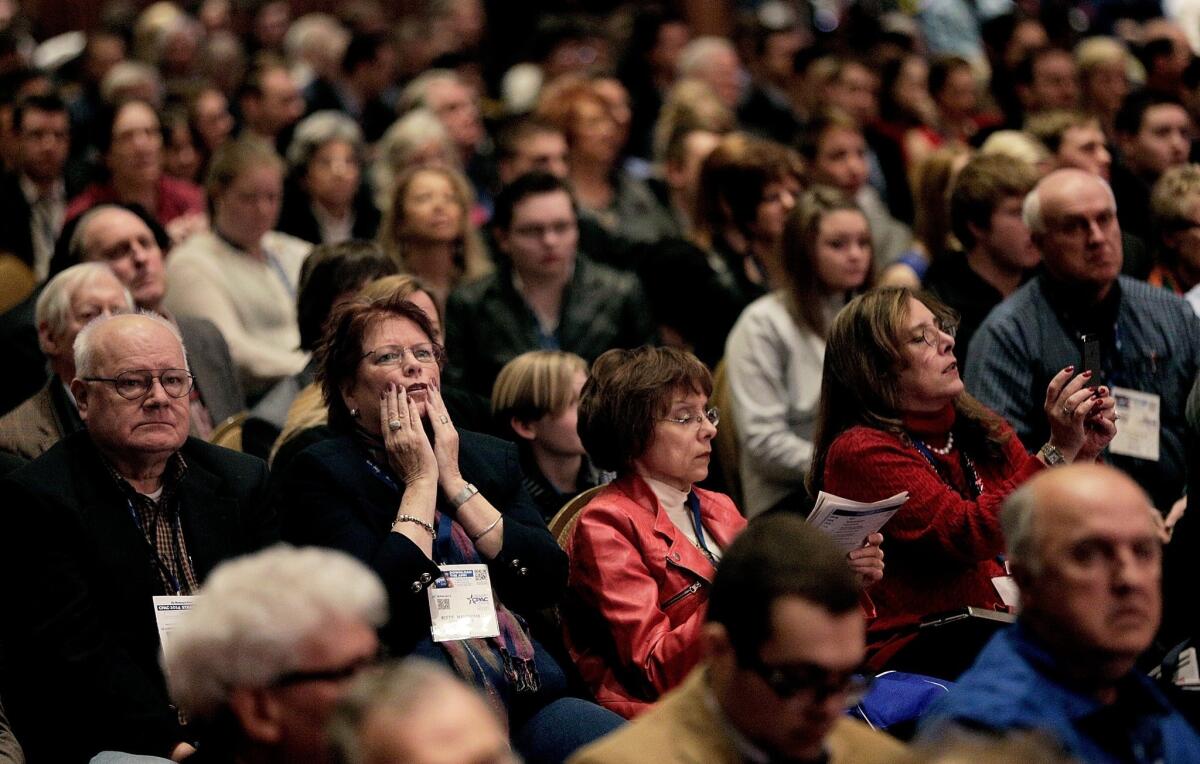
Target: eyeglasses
column 814, row 683
column 931, row 335
column 713, row 415
column 393, row 355
column 340, row 674
column 135, row 383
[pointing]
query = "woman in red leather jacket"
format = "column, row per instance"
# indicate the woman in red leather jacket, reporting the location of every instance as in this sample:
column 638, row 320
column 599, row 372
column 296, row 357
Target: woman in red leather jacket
column 645, row 549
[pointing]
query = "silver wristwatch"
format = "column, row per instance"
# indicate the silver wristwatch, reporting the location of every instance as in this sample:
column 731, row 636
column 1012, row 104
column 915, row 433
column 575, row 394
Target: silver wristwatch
column 463, row 496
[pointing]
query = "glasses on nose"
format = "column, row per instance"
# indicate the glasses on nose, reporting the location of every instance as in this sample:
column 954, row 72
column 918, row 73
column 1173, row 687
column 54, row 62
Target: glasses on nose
column 812, row 683
column 135, row 383
column 393, row 355
column 932, row 335
column 533, row 231
column 713, row 415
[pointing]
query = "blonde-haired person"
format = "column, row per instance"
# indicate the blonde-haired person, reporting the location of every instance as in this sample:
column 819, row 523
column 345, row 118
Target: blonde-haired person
column 1108, row 71
column 1175, row 204
column 775, row 351
column 1021, row 147
column 536, row 397
column 894, row 416
column 427, row 230
column 418, row 139
column 243, row 275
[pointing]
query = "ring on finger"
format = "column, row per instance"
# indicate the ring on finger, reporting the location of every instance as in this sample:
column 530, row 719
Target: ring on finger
column 1067, row 410
column 395, row 424
column 444, row 419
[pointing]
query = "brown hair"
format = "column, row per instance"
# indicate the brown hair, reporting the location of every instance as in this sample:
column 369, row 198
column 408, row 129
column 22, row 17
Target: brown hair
column 562, row 97
column 471, row 259
column 733, row 179
column 933, row 183
column 235, row 157
column 860, row 383
column 629, row 390
column 982, row 185
column 805, row 293
column 340, row 351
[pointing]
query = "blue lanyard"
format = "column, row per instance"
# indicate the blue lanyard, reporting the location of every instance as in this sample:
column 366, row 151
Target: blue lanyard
column 968, row 468
column 162, row 566
column 441, row 545
column 694, row 505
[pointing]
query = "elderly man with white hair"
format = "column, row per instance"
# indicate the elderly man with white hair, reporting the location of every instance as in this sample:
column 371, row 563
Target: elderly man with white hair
column 270, row 646
column 714, row 61
column 1141, row 341
column 126, row 510
column 68, row 302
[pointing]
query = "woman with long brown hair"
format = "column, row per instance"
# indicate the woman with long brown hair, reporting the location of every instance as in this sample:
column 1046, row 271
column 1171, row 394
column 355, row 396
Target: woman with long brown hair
column 775, row 351
column 894, row 416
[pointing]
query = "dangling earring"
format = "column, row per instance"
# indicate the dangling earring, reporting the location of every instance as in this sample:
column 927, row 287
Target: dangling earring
column 354, row 413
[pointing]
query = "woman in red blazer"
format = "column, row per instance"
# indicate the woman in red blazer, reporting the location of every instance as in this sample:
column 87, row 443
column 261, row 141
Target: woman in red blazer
column 645, row 549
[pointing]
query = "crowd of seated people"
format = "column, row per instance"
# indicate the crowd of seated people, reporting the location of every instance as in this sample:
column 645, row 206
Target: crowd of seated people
column 511, row 349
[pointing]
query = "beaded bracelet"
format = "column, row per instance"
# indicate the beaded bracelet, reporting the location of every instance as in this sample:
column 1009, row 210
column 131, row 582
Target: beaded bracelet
column 410, row 519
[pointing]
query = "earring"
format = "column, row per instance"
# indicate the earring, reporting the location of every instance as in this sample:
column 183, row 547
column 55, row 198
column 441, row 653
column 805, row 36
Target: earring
column 354, row 413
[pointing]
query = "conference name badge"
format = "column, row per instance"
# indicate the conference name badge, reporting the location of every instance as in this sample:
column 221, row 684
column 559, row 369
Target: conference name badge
column 461, row 604
column 169, row 610
column 1137, row 424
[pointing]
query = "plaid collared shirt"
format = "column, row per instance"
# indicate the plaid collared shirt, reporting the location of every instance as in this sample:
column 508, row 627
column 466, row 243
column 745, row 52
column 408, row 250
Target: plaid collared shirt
column 160, row 524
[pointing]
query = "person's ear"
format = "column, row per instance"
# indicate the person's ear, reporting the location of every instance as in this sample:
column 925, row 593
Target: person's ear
column 977, row 232
column 79, row 391
column 1172, row 240
column 257, row 713
column 524, row 430
column 347, row 390
column 46, row 339
column 1023, row 579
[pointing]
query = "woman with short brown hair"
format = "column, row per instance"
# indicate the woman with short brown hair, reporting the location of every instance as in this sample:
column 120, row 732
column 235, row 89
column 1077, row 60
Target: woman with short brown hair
column 644, row 551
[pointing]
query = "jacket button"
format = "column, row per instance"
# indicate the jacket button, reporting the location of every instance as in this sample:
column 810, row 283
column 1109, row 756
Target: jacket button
column 515, row 563
column 524, row 571
column 416, row 587
column 426, row 578
column 675, row 556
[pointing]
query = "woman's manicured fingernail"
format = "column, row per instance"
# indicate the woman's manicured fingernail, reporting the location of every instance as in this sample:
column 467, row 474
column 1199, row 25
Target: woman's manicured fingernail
column 1069, row 369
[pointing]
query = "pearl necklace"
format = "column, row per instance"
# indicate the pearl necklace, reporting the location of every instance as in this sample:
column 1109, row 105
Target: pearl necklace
column 946, row 449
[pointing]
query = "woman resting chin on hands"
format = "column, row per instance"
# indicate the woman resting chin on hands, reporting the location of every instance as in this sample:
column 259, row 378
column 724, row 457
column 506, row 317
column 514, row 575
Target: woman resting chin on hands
column 407, row 493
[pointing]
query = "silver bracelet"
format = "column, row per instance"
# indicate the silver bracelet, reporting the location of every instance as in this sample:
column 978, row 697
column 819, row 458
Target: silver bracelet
column 463, row 496
column 487, row 530
column 410, row 519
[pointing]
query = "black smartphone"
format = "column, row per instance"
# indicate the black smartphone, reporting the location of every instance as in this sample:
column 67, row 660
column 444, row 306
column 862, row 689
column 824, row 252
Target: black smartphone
column 1091, row 354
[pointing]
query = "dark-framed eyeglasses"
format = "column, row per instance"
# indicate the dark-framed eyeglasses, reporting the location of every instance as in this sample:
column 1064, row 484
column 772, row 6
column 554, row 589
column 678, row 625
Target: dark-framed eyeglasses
column 135, row 383
column 393, row 355
column 815, row 684
column 712, row 414
column 930, row 334
column 338, row 674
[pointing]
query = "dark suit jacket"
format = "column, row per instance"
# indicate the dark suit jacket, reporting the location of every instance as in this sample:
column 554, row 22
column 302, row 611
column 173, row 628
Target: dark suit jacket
column 24, row 365
column 488, row 322
column 297, row 219
column 76, row 580
column 15, row 213
column 330, row 497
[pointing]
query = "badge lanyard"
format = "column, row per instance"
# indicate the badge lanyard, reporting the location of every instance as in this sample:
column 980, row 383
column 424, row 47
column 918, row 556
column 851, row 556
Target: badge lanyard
column 694, row 506
column 162, row 566
column 968, row 468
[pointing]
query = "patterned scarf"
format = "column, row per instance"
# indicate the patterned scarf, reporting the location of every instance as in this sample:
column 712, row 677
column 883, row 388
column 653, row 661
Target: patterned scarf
column 500, row 665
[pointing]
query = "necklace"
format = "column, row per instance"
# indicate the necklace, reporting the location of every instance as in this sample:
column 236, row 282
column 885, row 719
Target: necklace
column 968, row 468
column 946, row 449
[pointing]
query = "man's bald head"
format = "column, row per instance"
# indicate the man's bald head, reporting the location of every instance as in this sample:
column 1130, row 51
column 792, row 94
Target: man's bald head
column 1084, row 547
column 114, row 235
column 1072, row 217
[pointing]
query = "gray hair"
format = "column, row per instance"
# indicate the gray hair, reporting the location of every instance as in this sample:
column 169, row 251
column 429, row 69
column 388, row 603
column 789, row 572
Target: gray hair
column 85, row 348
column 253, row 613
column 1031, row 207
column 315, row 131
column 53, row 307
column 696, row 54
column 399, row 687
column 316, row 36
column 131, row 74
column 415, row 92
column 396, row 148
column 1016, row 520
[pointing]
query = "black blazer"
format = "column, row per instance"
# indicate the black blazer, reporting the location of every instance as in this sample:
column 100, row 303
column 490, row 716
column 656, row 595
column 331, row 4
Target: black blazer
column 15, row 214
column 76, row 581
column 330, row 497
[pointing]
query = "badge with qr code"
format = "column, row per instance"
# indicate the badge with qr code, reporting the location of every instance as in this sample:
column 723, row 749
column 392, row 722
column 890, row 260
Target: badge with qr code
column 461, row 604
